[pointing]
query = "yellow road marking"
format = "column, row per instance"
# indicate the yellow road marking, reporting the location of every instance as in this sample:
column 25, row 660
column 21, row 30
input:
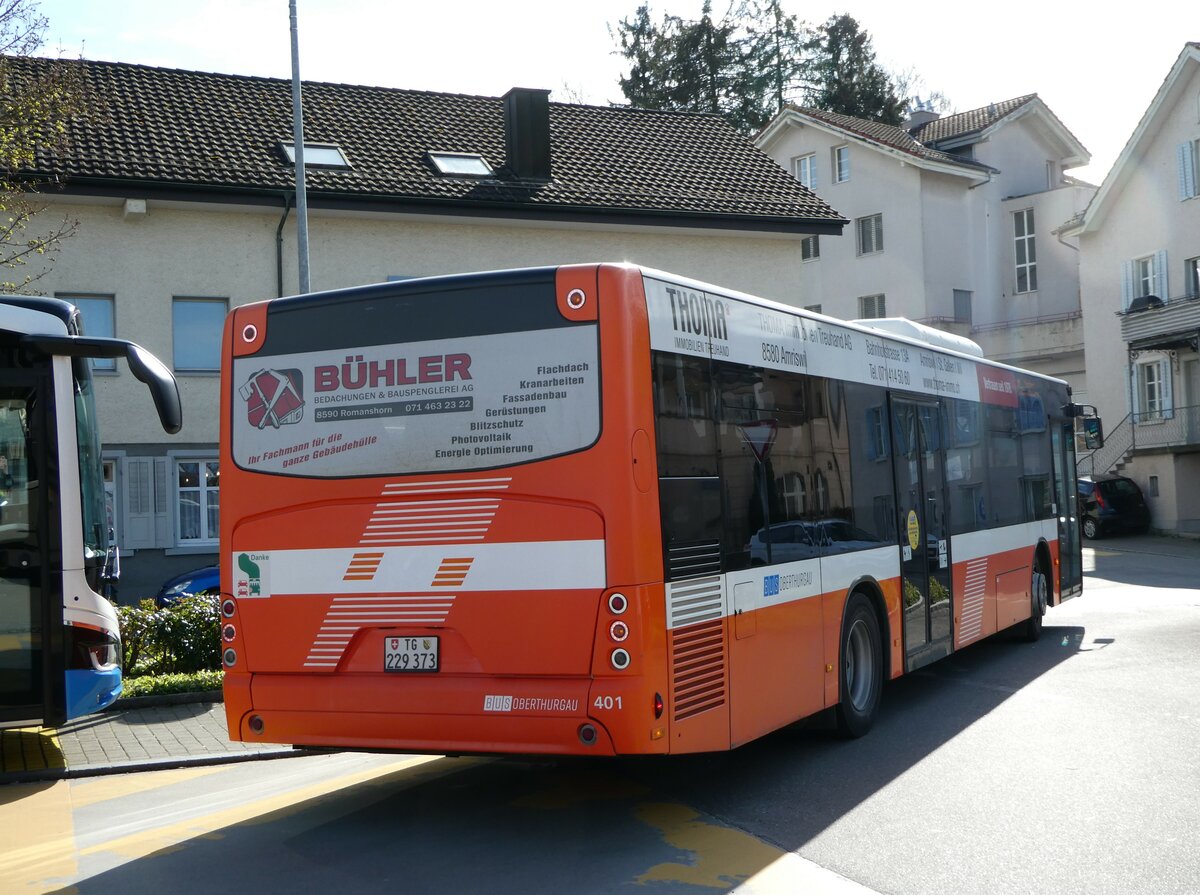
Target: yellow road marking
column 139, row 845
column 48, row 852
column 42, row 836
column 90, row 791
column 723, row 856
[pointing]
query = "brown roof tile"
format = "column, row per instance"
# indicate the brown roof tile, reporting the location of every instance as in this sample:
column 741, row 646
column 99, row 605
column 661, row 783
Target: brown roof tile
column 166, row 128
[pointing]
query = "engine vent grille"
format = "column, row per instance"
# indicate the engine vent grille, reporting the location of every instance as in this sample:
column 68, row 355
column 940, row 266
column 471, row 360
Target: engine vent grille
column 697, row 669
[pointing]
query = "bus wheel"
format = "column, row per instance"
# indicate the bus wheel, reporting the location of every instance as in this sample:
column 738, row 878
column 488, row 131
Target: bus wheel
column 1039, row 595
column 861, row 681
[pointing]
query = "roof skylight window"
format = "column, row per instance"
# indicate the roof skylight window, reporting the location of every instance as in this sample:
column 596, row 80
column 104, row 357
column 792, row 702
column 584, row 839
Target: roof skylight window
column 317, row 155
column 461, row 164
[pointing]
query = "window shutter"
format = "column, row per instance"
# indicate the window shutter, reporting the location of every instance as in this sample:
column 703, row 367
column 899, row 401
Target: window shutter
column 1160, row 275
column 1126, row 284
column 1133, row 376
column 147, row 520
column 162, row 503
column 1168, row 405
column 812, row 173
column 139, row 503
column 1187, row 171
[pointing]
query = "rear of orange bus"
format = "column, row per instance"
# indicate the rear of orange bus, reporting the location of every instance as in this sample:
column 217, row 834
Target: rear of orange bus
column 439, row 518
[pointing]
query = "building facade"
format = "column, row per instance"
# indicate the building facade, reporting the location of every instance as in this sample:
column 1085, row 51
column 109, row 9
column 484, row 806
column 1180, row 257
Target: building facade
column 1140, row 272
column 954, row 224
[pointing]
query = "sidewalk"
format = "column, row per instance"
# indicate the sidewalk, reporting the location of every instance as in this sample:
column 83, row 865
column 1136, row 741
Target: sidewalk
column 136, row 735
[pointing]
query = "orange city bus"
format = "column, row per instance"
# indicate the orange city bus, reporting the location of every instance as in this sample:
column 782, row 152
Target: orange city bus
column 600, row 509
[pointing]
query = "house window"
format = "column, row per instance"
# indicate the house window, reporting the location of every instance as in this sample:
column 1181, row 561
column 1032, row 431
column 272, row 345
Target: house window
column 841, row 164
column 197, row 324
column 962, row 306
column 317, row 155
column 870, row 234
column 197, row 500
column 1189, row 169
column 1191, row 275
column 1053, row 174
column 820, row 493
column 98, row 320
column 1026, row 252
column 871, row 307
column 810, row 248
column 1144, row 281
column 877, row 446
column 795, row 497
column 461, row 164
column 1151, row 390
column 805, row 169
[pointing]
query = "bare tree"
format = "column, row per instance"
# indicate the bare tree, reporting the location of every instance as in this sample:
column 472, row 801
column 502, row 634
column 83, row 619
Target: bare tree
column 39, row 99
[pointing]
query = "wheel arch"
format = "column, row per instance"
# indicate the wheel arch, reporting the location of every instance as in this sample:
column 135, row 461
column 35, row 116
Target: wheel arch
column 1041, row 555
column 871, row 589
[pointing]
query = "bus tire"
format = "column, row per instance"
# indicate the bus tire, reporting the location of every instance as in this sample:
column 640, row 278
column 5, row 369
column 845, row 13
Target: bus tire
column 860, row 682
column 1039, row 597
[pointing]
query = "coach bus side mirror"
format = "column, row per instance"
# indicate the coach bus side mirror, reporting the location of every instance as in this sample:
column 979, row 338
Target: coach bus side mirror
column 144, row 365
column 1093, row 433
column 161, row 382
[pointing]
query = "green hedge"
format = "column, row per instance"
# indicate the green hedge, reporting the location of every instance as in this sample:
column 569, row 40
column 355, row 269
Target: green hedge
column 181, row 639
column 165, row 684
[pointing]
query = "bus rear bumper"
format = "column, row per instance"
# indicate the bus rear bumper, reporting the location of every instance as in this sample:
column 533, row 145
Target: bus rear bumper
column 436, row 734
column 461, row 715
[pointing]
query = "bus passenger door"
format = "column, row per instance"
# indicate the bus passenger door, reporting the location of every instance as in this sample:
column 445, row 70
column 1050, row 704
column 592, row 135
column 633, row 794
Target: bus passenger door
column 32, row 677
column 919, row 449
column 1070, row 546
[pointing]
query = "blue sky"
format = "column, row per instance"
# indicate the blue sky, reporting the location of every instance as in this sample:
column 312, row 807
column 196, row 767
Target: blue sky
column 1098, row 72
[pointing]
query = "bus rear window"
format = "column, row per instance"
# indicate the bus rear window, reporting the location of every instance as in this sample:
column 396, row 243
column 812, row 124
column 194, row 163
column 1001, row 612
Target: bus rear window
column 466, row 395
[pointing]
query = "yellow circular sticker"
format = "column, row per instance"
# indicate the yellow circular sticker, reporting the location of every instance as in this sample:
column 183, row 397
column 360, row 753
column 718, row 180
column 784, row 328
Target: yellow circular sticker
column 914, row 530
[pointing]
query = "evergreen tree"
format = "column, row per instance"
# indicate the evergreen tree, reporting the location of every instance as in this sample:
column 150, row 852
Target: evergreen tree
column 705, row 65
column 847, row 77
column 777, row 45
column 748, row 64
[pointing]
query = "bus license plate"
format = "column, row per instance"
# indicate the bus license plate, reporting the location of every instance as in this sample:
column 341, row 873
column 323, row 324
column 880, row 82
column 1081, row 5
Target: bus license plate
column 410, row 654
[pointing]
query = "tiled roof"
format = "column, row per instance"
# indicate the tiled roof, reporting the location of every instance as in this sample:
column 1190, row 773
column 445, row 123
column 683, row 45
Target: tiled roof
column 166, row 128
column 890, row 136
column 964, row 123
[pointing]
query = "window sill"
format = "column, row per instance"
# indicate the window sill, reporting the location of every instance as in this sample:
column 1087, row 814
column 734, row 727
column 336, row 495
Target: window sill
column 193, row 549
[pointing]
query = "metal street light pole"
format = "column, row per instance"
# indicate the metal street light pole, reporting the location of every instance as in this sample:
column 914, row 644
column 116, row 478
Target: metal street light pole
column 298, row 139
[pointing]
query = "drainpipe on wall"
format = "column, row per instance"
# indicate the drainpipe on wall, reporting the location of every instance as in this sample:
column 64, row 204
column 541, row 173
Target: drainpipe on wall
column 287, row 207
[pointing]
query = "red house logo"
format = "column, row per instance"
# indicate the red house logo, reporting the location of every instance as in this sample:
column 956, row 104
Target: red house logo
column 274, row 398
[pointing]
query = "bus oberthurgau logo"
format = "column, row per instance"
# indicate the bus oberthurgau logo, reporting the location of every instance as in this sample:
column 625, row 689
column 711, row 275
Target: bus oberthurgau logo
column 274, row 398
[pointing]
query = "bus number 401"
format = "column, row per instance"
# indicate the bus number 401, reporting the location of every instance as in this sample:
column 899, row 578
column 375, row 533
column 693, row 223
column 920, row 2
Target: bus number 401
column 607, row 703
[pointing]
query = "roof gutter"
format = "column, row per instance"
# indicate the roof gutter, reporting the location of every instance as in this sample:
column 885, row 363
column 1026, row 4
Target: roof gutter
column 269, row 196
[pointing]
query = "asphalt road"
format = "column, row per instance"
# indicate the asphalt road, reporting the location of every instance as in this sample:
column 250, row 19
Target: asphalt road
column 1065, row 766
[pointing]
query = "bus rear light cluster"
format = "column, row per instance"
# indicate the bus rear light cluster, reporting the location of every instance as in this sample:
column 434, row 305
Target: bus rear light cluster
column 228, row 607
column 618, row 631
column 617, row 604
column 658, row 706
column 228, row 632
column 620, row 659
column 230, row 657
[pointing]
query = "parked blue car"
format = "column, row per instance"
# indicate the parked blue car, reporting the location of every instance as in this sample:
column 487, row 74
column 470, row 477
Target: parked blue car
column 198, row 581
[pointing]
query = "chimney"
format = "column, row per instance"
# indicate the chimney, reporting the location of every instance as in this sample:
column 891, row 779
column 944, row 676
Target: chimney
column 919, row 115
column 527, row 132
